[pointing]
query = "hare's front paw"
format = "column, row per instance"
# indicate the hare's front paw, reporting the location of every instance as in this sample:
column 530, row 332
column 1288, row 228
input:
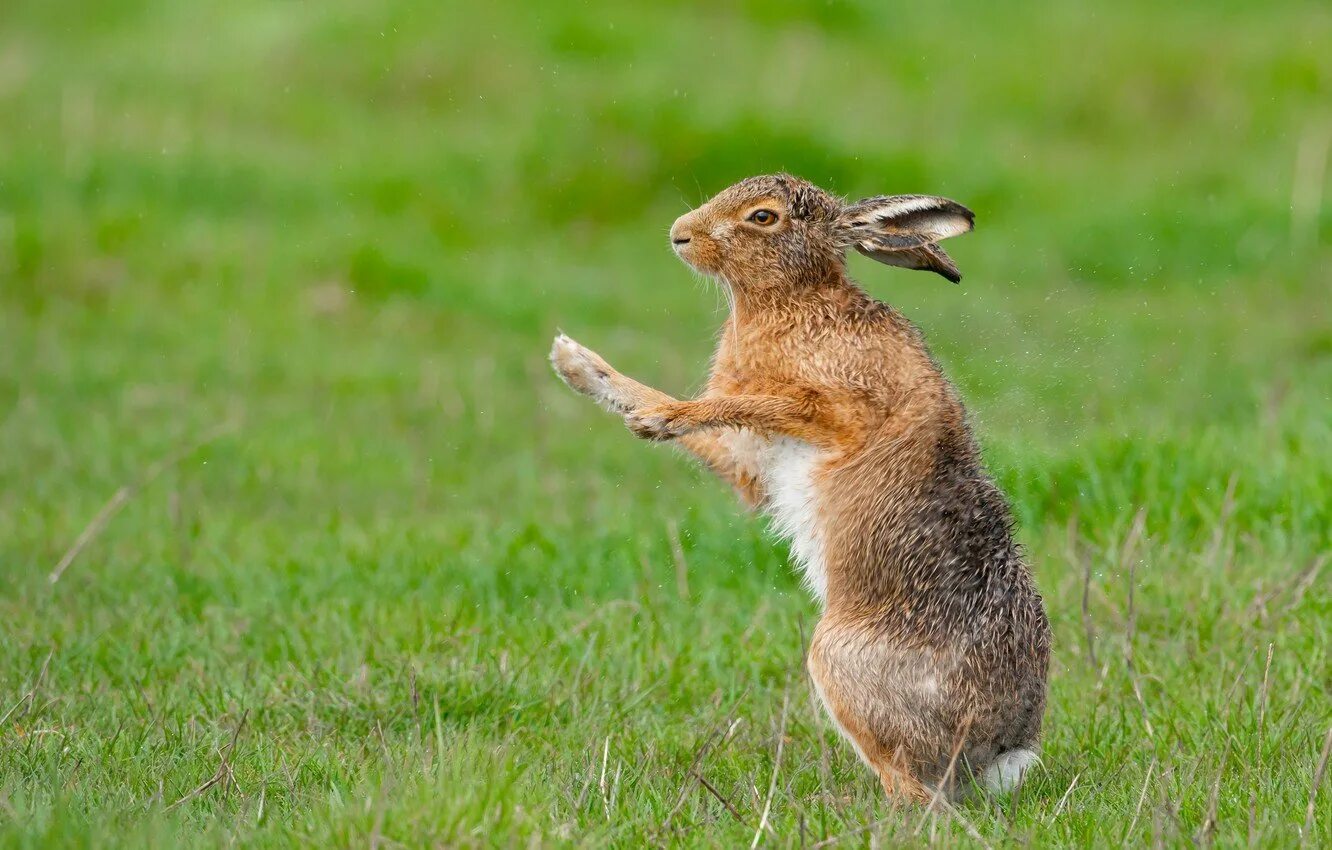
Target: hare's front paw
column 583, row 370
column 662, row 422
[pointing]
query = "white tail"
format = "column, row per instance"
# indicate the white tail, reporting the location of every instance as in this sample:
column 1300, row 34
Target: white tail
column 1005, row 773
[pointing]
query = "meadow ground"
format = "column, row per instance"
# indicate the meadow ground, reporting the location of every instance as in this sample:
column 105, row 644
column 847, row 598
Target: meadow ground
column 288, row 273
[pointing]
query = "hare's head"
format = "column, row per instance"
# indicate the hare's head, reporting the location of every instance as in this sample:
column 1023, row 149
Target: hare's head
column 779, row 230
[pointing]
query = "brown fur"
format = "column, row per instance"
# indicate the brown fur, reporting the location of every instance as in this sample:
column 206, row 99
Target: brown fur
column 932, row 652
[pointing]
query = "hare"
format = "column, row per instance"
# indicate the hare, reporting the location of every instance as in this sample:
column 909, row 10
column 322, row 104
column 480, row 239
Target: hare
column 825, row 410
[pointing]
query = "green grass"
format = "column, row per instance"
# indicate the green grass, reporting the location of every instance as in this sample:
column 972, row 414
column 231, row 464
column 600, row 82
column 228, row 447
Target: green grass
column 415, row 592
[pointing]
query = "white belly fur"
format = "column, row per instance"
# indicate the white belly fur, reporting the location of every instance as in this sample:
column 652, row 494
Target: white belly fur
column 788, row 468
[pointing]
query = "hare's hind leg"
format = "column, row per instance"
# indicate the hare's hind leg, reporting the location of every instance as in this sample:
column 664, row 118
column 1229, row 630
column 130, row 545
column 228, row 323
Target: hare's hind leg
column 836, row 671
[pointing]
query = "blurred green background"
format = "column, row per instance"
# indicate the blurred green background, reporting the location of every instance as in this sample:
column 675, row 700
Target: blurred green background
column 444, row 594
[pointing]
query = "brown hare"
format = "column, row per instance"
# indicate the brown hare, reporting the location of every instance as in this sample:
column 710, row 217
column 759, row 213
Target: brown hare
column 826, row 411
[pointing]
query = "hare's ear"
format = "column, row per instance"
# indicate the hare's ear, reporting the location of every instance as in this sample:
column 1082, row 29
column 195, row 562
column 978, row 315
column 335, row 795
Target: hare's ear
column 904, row 230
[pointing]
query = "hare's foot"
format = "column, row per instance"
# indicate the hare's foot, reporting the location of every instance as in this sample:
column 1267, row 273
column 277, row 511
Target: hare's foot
column 586, row 372
column 662, row 421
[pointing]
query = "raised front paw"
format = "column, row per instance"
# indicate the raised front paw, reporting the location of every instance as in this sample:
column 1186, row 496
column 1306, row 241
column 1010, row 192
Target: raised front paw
column 662, row 422
column 583, row 370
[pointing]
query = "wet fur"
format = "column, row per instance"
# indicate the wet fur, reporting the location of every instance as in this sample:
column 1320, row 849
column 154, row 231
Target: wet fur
column 825, row 409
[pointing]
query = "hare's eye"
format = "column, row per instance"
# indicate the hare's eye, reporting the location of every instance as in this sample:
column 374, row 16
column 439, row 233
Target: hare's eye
column 763, row 217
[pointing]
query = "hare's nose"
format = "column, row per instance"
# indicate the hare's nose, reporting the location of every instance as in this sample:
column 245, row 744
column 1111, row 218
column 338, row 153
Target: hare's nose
column 681, row 232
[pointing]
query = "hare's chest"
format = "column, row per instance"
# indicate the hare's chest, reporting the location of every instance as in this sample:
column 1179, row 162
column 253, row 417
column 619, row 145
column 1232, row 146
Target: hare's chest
column 788, row 469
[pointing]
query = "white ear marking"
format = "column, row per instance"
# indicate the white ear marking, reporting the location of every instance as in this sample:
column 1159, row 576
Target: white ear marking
column 903, row 230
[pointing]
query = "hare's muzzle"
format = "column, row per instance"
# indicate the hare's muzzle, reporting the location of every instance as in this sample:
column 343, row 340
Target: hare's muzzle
column 681, row 232
column 691, row 242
